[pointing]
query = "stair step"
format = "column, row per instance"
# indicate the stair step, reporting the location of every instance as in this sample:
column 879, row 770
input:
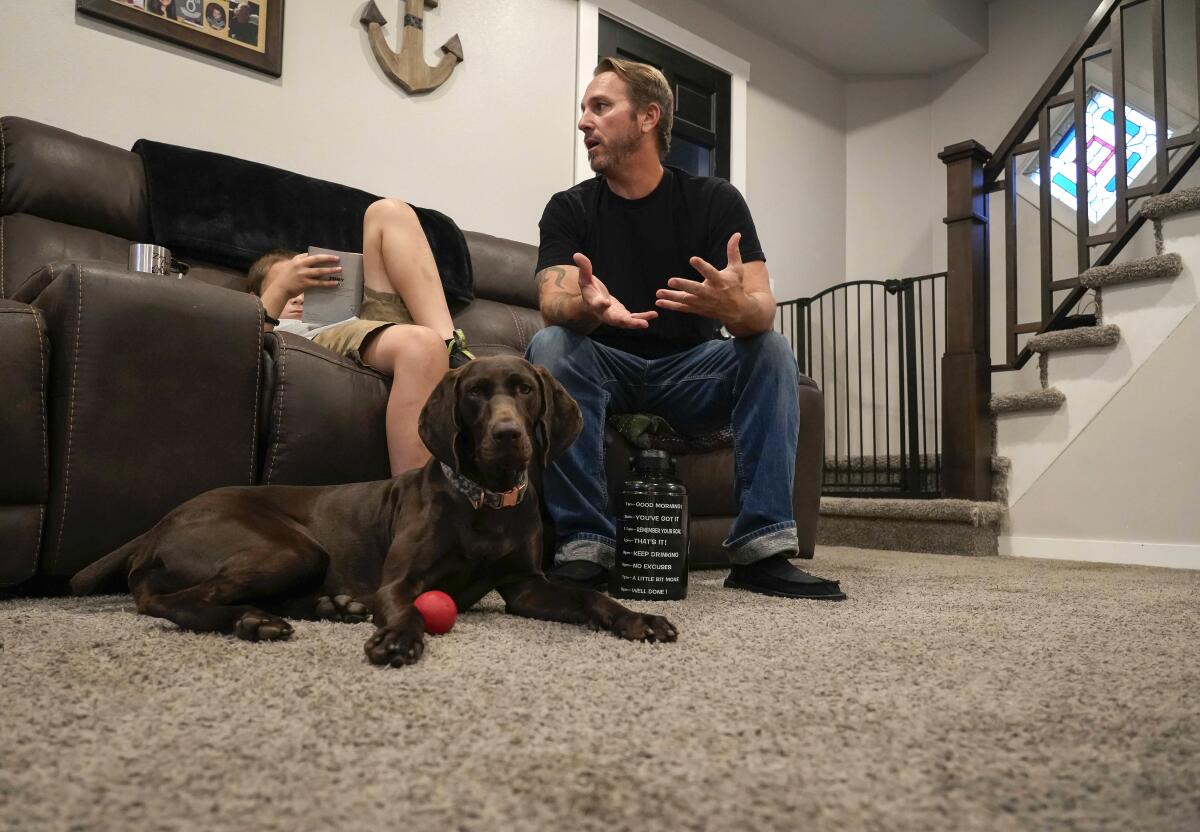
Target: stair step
column 1083, row 337
column 1001, row 471
column 966, row 512
column 1167, row 205
column 1152, row 268
column 1049, row 399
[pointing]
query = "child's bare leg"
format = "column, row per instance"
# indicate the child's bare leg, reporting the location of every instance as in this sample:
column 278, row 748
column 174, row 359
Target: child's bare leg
column 415, row 357
column 397, row 259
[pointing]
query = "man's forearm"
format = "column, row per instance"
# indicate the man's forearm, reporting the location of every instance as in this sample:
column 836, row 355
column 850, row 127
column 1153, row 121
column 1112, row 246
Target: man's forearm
column 757, row 317
column 561, row 306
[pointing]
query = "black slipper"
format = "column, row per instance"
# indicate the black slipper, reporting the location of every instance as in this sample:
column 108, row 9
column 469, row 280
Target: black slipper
column 581, row 574
column 777, row 576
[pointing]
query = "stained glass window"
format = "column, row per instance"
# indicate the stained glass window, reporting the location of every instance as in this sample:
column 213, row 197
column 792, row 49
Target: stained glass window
column 1140, row 146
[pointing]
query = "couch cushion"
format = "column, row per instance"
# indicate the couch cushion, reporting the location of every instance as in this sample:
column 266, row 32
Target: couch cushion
column 60, row 176
column 324, row 416
column 503, row 269
column 24, row 486
column 497, row 328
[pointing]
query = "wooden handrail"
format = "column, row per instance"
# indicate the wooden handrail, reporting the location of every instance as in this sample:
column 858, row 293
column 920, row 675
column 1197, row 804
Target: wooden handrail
column 1049, row 89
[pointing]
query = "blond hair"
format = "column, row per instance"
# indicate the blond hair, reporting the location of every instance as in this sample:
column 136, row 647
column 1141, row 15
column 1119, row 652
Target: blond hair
column 647, row 85
column 258, row 270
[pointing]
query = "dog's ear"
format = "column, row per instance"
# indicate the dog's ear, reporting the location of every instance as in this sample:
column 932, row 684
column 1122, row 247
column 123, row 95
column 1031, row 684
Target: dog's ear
column 439, row 425
column 560, row 419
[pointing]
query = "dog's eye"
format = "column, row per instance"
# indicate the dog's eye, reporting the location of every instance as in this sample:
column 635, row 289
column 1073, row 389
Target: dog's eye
column 475, row 391
column 524, row 389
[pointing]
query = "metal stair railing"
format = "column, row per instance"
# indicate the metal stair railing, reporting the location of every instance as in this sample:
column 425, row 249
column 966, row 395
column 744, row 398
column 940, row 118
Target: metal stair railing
column 974, row 174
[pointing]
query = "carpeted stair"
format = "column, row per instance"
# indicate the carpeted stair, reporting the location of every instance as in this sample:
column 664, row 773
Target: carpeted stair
column 1152, row 268
column 1162, row 266
column 1080, row 338
column 1025, row 400
column 957, row 527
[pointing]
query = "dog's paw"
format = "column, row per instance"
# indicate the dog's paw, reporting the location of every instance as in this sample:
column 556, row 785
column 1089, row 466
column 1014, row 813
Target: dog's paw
column 635, row 626
column 257, row 625
column 342, row 608
column 396, row 646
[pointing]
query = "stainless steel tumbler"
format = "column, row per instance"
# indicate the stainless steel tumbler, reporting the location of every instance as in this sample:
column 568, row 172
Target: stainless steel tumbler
column 151, row 259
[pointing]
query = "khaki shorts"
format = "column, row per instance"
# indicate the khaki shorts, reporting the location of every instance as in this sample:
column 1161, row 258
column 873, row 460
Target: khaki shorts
column 378, row 310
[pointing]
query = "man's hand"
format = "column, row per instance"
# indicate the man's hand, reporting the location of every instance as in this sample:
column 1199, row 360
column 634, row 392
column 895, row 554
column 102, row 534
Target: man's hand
column 603, row 305
column 740, row 301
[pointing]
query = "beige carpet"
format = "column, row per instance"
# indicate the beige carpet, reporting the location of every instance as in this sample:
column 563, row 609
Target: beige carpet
column 948, row 693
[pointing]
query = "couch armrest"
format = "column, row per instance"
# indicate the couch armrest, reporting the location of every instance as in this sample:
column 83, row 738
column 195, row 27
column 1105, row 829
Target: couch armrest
column 154, row 398
column 24, row 356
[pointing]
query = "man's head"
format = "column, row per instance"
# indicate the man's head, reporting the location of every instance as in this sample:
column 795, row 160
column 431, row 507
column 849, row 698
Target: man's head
column 626, row 106
column 243, row 13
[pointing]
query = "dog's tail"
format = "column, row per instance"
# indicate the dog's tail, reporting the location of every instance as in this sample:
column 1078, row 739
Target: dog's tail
column 104, row 571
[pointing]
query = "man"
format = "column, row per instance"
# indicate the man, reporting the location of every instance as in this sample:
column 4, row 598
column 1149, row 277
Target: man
column 637, row 271
column 242, row 26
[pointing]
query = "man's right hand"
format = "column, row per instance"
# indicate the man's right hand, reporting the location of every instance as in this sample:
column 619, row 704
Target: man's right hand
column 603, row 305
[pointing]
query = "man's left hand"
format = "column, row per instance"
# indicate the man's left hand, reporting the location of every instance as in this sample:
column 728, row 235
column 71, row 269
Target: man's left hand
column 722, row 295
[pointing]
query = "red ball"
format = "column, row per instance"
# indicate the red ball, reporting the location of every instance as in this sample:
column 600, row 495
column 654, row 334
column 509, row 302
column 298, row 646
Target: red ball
column 439, row 611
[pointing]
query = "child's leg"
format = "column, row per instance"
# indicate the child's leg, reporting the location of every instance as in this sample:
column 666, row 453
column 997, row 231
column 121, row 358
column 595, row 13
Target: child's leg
column 397, row 259
column 415, row 357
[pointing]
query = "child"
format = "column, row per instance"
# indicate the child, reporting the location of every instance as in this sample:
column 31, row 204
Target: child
column 403, row 327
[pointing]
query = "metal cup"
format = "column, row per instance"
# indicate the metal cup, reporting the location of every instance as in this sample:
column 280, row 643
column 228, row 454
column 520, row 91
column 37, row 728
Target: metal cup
column 151, row 259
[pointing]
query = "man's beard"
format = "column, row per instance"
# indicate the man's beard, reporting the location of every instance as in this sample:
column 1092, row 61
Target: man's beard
column 611, row 154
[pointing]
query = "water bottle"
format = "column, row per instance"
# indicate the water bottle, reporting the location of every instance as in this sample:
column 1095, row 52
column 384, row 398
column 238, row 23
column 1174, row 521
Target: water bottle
column 652, row 538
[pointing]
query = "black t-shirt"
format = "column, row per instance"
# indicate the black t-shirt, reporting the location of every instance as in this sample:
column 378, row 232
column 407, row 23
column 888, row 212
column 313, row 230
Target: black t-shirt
column 635, row 245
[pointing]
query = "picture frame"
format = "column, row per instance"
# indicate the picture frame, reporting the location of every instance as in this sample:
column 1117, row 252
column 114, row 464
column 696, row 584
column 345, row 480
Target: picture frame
column 215, row 27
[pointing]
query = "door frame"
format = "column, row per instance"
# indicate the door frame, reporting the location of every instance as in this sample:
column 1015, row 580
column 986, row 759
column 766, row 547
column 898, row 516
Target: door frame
column 634, row 16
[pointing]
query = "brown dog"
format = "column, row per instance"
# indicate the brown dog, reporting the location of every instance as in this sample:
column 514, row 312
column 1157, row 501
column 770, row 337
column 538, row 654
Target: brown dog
column 465, row 523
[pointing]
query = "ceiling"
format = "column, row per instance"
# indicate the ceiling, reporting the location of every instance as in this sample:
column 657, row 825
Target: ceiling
column 870, row 37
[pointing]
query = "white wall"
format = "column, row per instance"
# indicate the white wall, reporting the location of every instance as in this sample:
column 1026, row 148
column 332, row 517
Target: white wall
column 1126, row 489
column 488, row 147
column 896, row 127
column 796, row 159
column 888, row 165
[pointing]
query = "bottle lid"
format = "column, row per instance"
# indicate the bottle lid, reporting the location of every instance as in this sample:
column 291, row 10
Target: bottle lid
column 652, row 461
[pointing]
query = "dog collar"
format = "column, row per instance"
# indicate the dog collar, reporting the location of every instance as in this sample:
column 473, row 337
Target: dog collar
column 480, row 496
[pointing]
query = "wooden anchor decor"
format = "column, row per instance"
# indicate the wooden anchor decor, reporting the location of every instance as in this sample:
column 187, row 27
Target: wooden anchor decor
column 407, row 67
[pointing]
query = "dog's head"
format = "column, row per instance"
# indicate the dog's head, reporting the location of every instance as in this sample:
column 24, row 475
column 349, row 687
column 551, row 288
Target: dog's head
column 484, row 418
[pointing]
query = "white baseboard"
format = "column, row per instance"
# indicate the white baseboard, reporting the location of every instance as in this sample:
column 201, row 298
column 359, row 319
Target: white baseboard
column 1172, row 555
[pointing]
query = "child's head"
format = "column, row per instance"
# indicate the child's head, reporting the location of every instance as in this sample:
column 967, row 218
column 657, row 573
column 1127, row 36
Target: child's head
column 256, row 278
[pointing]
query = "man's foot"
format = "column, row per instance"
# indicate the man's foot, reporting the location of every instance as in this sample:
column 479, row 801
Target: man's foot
column 581, row 574
column 456, row 346
column 776, row 576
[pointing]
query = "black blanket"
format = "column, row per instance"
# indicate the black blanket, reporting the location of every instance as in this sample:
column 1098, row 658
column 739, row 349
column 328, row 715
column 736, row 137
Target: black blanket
column 230, row 211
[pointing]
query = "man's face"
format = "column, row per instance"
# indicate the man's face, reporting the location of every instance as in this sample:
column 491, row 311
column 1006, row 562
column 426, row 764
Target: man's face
column 609, row 122
column 243, row 13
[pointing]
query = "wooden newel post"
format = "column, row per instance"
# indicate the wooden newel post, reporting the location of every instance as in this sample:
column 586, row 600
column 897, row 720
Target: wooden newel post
column 966, row 366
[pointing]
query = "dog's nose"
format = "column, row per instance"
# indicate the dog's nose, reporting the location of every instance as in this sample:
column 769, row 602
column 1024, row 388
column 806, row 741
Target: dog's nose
column 507, row 432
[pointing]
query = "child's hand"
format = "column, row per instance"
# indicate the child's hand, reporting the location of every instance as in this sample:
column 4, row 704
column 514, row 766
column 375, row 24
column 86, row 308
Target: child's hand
column 305, row 271
column 287, row 280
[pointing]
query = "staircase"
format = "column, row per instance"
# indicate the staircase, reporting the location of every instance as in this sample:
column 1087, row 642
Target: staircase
column 1006, row 422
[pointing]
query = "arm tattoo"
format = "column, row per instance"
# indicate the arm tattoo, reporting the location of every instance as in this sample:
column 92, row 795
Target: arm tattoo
column 557, row 272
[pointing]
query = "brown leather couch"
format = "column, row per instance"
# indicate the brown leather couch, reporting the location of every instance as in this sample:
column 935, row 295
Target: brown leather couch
column 122, row 395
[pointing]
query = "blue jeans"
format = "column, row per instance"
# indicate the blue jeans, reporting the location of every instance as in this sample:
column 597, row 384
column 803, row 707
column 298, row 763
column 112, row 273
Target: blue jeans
column 752, row 381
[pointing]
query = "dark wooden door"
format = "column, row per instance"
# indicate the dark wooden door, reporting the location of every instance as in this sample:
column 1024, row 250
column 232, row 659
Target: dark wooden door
column 700, row 135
